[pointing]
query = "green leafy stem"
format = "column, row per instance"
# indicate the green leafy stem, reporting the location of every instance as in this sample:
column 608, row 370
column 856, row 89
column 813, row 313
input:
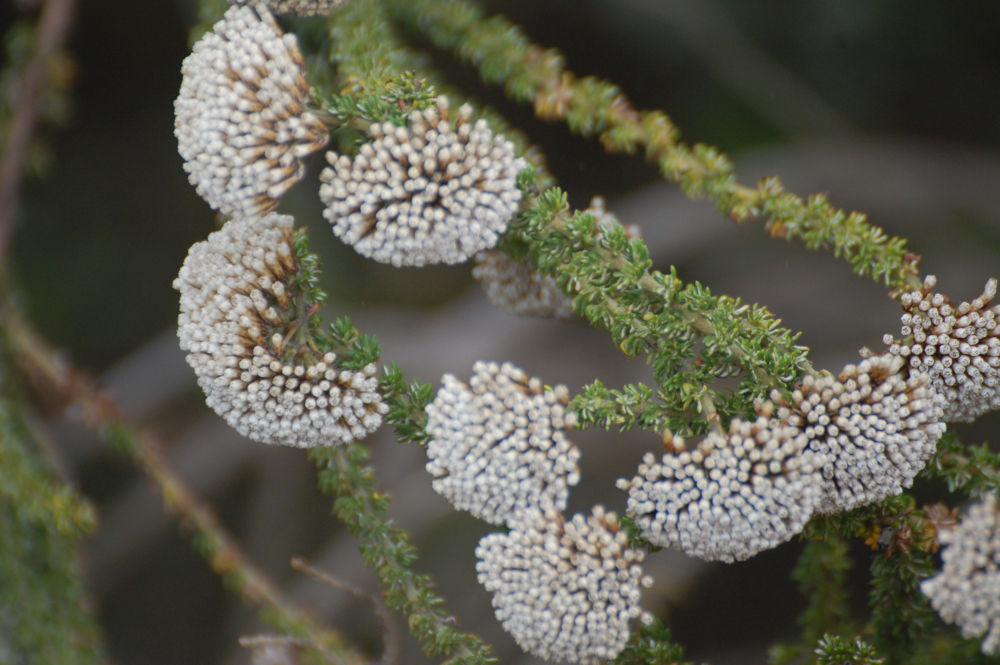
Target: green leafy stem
column 592, row 107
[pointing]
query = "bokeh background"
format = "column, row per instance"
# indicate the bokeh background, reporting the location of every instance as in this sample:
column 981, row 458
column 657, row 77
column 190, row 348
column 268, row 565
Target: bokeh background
column 890, row 107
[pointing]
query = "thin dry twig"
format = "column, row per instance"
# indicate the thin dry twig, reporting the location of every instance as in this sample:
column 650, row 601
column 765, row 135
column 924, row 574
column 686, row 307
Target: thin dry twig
column 390, row 634
column 273, row 649
column 53, row 27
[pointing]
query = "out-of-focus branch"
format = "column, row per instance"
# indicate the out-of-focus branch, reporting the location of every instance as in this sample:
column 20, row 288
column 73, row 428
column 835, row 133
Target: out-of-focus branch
column 60, row 381
column 390, row 636
column 53, row 26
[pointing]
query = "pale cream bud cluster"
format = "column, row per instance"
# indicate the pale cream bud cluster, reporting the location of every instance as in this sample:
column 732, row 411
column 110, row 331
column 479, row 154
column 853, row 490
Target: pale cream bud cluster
column 498, row 445
column 300, row 7
column 240, row 325
column 426, row 193
column 958, row 346
column 520, row 289
column 877, row 426
column 967, row 590
column 566, row 590
column 240, row 121
column 835, row 444
column 732, row 495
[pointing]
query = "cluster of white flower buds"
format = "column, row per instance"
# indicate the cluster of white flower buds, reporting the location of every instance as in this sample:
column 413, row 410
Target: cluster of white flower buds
column 240, row 121
column 566, row 590
column 731, row 496
column 498, row 445
column 423, row 194
column 520, row 289
column 958, row 346
column 967, row 590
column 300, row 7
column 876, row 424
column 237, row 323
column 836, row 444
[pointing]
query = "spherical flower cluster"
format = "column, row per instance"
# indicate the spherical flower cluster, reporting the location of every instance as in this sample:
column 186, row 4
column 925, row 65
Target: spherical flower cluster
column 498, row 445
column 959, row 347
column 239, row 119
column 237, row 323
column 565, row 590
column 876, row 425
column 967, row 590
column 427, row 193
column 731, row 496
column 300, row 7
column 518, row 288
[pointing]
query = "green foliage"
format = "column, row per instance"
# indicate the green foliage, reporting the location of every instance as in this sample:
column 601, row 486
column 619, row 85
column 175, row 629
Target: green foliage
column 901, row 615
column 972, row 470
column 590, row 106
column 690, row 337
column 651, row 645
column 821, row 226
column 44, row 617
column 835, row 650
column 821, row 575
column 407, row 405
column 371, row 78
column 385, row 547
column 306, row 281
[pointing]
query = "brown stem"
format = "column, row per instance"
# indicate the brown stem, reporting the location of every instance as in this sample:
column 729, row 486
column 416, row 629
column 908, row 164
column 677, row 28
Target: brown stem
column 53, row 26
column 50, row 372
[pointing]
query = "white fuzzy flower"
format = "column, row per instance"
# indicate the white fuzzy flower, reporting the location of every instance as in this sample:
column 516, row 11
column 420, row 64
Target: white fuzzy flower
column 958, row 346
column 566, row 590
column 240, row 323
column 426, row 193
column 498, row 445
column 875, row 424
column 300, row 7
column 239, row 118
column 967, row 590
column 518, row 288
column 732, row 495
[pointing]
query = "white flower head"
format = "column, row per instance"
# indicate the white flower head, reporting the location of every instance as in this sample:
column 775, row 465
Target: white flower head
column 300, row 7
column 498, row 445
column 730, row 496
column 238, row 315
column 566, row 590
column 426, row 193
column 967, row 590
column 876, row 424
column 958, row 346
column 240, row 121
column 518, row 288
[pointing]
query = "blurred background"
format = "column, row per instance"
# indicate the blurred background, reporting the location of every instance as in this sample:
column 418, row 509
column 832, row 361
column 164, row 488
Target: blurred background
column 890, row 107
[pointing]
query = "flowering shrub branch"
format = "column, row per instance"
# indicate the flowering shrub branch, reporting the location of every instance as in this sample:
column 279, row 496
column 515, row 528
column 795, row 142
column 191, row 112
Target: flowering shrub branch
column 776, row 448
column 590, row 106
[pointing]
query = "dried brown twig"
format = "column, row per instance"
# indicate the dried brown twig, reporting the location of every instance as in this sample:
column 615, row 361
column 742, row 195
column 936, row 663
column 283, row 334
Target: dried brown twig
column 53, row 27
column 51, row 374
